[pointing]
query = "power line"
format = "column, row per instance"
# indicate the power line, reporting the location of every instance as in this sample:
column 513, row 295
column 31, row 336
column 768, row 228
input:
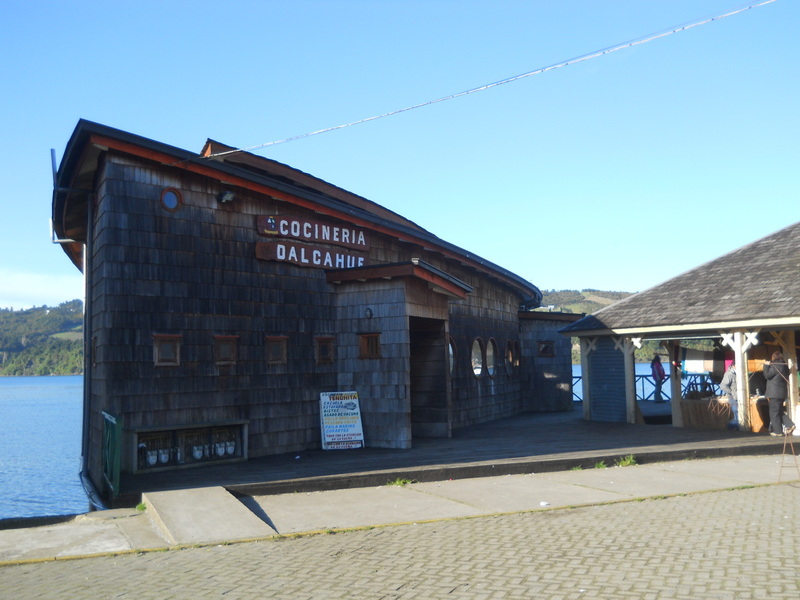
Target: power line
column 566, row 63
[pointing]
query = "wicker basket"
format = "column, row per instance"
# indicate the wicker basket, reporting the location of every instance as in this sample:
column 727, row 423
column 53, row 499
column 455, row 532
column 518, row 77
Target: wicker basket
column 706, row 413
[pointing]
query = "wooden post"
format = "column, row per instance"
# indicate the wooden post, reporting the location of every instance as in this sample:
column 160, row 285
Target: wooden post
column 786, row 339
column 741, row 342
column 674, row 383
column 627, row 347
column 742, row 399
column 587, row 345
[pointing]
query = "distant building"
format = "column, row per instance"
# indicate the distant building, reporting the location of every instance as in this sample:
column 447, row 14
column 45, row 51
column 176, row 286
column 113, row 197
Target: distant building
column 746, row 301
column 227, row 292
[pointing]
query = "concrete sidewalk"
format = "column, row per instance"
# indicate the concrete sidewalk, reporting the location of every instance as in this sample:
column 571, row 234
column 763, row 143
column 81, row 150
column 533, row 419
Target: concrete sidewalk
column 527, row 443
column 213, row 515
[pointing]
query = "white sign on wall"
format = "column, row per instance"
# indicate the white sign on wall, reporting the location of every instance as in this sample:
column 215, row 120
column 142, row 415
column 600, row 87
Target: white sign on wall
column 340, row 417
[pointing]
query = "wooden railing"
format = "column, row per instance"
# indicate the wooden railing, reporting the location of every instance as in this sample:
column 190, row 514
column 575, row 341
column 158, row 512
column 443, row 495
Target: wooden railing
column 700, row 382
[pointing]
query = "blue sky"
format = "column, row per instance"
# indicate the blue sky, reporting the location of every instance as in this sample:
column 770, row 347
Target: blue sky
column 615, row 173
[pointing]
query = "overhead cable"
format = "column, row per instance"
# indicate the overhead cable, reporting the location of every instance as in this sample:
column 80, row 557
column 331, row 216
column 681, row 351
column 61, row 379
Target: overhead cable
column 566, row 63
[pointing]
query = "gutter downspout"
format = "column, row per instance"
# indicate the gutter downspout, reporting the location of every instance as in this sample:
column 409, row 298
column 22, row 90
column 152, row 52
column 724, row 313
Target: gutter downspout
column 587, row 346
column 95, row 499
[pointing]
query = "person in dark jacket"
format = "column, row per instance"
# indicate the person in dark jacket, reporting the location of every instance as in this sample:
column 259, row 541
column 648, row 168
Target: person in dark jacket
column 728, row 384
column 776, row 372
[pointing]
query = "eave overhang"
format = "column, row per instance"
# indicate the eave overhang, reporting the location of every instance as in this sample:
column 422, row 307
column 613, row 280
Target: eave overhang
column 437, row 280
column 712, row 329
column 540, row 315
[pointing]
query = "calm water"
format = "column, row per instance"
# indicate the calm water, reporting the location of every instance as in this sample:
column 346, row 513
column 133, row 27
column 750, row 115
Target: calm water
column 41, row 446
column 644, row 388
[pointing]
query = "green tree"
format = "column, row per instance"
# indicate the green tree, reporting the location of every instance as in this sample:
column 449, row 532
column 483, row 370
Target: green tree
column 42, row 340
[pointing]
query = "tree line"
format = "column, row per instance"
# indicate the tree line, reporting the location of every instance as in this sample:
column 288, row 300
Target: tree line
column 589, row 301
column 42, row 340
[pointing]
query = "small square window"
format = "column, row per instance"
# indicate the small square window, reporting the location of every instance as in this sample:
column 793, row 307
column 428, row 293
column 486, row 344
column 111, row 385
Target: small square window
column 546, row 349
column 369, row 345
column 226, row 349
column 167, row 350
column 324, row 350
column 277, row 350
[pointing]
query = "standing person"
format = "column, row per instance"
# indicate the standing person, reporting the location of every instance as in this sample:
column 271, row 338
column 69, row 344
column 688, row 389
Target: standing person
column 658, row 377
column 728, row 383
column 776, row 372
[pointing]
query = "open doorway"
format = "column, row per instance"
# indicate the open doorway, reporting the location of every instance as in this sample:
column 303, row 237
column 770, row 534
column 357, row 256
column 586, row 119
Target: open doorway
column 430, row 397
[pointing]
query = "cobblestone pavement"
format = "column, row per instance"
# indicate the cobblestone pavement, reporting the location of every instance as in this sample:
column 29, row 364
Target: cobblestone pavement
column 734, row 544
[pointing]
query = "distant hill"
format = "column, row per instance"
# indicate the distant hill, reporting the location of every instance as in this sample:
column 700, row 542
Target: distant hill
column 589, row 301
column 42, row 340
column 584, row 301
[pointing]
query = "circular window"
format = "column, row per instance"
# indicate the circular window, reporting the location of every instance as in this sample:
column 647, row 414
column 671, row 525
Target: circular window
column 509, row 357
column 476, row 357
column 491, row 357
column 171, row 199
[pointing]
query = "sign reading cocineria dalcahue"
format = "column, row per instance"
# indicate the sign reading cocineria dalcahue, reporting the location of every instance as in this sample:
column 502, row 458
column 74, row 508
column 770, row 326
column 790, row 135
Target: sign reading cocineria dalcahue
column 315, row 239
column 312, row 231
column 305, row 255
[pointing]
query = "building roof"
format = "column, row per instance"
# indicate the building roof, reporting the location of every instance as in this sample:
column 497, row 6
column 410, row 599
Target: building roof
column 90, row 141
column 265, row 166
column 757, row 285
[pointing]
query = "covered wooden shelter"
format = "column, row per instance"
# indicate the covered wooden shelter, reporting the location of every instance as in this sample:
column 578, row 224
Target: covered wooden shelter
column 747, row 301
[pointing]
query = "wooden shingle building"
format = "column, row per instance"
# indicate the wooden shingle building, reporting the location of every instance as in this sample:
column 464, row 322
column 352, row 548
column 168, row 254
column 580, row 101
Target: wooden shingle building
column 747, row 302
column 228, row 293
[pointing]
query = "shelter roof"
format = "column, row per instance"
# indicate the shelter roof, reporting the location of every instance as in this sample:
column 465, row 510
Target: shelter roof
column 757, row 285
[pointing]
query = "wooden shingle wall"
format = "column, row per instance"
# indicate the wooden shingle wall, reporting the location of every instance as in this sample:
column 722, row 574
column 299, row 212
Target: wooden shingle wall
column 382, row 383
column 490, row 312
column 547, row 356
column 193, row 273
column 607, row 381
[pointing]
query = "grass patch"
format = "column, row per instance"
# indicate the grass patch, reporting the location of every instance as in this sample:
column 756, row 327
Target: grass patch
column 577, row 468
column 626, row 461
column 141, row 506
column 70, row 336
column 401, row 481
column 600, row 465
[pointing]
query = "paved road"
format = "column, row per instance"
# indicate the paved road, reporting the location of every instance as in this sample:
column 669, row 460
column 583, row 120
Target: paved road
column 729, row 545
